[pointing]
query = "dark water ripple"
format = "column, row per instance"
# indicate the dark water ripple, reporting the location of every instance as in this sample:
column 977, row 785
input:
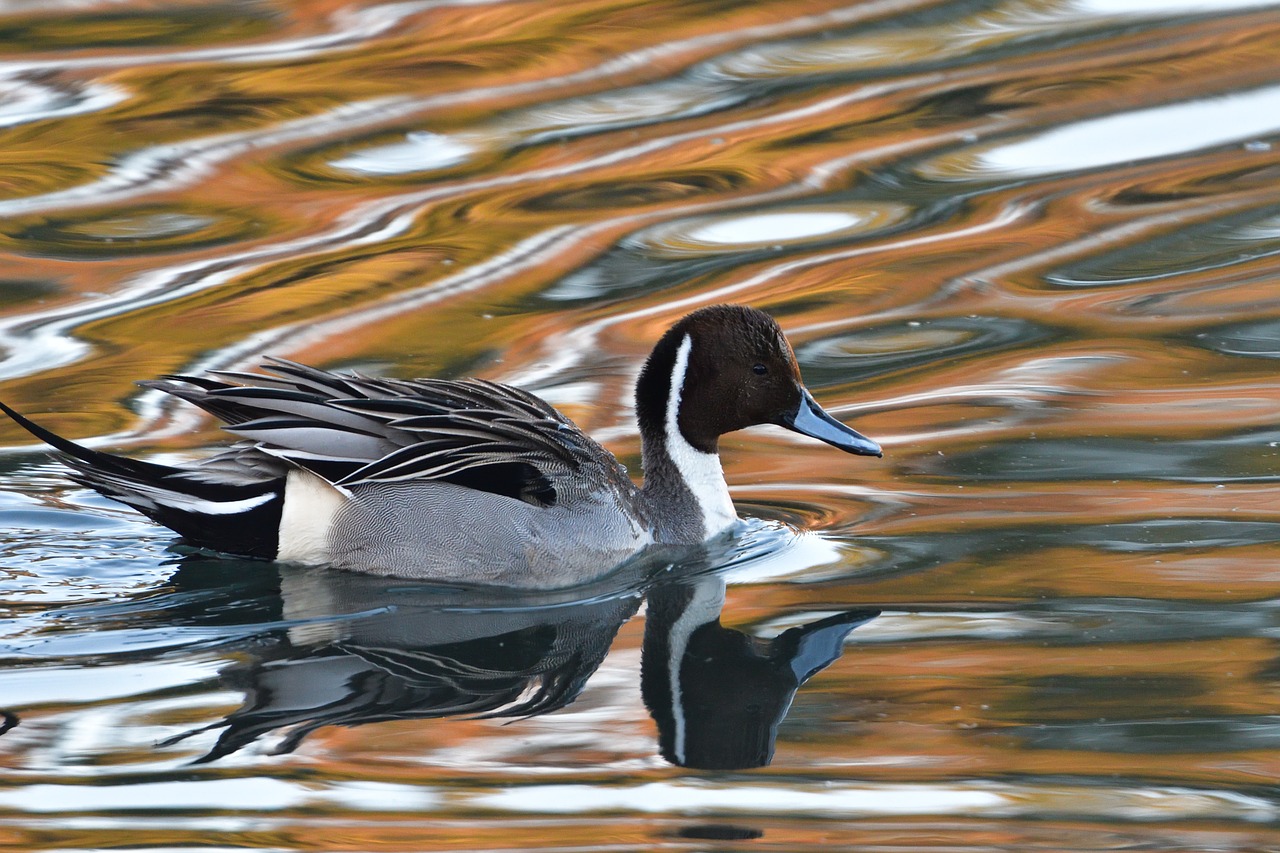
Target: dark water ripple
column 1254, row 340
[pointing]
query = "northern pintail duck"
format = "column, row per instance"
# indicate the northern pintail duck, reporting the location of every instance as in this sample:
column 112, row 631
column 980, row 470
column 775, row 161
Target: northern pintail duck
column 467, row 480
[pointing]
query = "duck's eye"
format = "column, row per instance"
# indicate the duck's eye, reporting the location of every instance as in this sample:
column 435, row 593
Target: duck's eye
column 759, row 370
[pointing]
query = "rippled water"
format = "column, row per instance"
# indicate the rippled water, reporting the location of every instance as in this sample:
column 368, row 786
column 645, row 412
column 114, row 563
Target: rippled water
column 1031, row 246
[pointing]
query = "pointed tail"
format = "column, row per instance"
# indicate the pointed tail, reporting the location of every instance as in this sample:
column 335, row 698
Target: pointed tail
column 238, row 516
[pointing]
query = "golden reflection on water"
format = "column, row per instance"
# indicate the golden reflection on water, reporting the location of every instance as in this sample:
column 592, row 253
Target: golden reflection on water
column 1030, row 246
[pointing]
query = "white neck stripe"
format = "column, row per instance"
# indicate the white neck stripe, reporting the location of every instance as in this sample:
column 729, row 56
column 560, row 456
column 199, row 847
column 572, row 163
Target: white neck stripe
column 700, row 471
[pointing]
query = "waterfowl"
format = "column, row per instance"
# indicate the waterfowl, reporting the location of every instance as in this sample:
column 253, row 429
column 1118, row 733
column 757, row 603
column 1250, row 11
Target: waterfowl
column 466, row 480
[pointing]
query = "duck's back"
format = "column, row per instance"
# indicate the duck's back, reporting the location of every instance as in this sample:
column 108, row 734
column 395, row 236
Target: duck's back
column 456, row 480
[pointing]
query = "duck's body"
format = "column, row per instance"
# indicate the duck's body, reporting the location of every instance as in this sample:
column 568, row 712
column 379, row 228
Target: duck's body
column 467, row 480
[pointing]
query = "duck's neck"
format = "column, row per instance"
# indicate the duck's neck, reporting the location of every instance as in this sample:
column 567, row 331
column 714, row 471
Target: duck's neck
column 684, row 486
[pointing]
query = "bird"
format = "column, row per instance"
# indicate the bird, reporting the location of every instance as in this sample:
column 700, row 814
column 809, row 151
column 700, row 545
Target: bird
column 466, row 481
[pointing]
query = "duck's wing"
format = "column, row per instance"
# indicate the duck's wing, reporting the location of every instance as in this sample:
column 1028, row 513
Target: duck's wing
column 352, row 429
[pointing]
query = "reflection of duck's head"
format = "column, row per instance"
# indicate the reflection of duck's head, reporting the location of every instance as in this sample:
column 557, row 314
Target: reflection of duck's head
column 718, row 694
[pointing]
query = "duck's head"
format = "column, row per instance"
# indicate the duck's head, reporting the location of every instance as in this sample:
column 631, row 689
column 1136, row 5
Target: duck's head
column 727, row 367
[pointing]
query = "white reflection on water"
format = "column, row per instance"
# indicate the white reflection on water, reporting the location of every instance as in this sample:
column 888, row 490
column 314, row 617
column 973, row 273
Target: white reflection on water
column 249, row 793
column 419, row 151
column 1266, row 229
column 74, row 684
column 903, row 626
column 1138, row 135
column 793, row 555
column 686, row 799
column 259, row 794
column 1164, row 7
column 767, row 229
column 853, row 800
column 773, row 226
column 22, row 101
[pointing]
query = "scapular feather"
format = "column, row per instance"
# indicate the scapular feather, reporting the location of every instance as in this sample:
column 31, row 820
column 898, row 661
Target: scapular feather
column 352, row 429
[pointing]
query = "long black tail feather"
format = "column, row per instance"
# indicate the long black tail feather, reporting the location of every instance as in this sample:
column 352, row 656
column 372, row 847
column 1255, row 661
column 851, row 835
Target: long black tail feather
column 234, row 517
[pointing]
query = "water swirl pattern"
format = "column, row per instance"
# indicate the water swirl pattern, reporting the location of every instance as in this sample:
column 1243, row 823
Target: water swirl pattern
column 1032, row 247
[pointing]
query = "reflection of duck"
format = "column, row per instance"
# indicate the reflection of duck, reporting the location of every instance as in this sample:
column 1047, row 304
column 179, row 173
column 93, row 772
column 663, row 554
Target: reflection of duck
column 468, row 480
column 362, row 649
column 718, row 694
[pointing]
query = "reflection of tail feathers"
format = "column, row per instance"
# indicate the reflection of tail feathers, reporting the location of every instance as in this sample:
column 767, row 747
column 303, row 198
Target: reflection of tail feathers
column 521, row 674
column 241, row 514
column 546, row 690
column 375, row 696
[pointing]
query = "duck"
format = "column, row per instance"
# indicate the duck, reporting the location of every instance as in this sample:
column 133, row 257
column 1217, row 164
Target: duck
column 466, row 481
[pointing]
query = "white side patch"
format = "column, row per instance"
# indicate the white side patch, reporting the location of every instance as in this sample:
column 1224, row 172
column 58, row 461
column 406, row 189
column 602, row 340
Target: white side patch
column 701, row 471
column 310, row 505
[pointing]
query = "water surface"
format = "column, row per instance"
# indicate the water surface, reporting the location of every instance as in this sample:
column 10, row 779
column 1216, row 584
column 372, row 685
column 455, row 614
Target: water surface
column 1031, row 246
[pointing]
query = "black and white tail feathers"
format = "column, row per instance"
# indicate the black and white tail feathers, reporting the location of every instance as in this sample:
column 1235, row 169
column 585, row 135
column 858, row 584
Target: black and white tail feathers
column 238, row 517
